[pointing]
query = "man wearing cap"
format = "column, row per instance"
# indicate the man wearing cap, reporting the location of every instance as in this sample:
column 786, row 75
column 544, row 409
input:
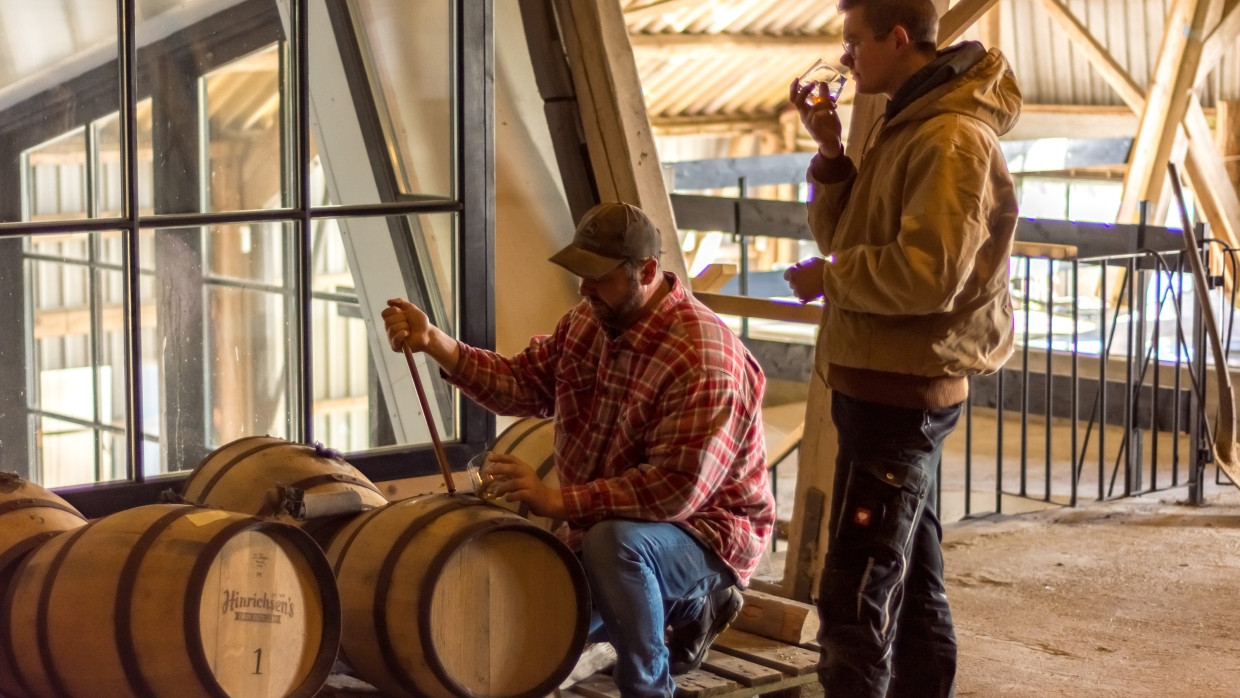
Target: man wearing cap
column 659, row 445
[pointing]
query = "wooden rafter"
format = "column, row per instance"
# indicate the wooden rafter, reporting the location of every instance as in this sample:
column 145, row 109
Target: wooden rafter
column 732, row 42
column 960, row 17
column 614, row 117
column 1166, row 103
column 1097, row 54
column 1204, row 164
column 1219, row 40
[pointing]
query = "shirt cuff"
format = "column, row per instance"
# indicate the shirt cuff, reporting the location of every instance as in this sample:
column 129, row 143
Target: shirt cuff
column 578, row 504
column 830, row 171
column 464, row 371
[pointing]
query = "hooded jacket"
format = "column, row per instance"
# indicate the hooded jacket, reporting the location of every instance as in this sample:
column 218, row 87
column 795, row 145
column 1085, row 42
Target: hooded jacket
column 918, row 237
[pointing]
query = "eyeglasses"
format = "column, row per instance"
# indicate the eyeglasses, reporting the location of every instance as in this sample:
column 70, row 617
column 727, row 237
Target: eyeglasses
column 850, row 45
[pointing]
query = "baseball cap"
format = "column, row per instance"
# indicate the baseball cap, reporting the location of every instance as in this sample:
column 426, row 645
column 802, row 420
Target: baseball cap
column 608, row 235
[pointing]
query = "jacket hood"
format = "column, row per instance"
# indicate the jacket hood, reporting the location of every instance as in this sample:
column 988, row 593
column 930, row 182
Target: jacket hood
column 963, row 79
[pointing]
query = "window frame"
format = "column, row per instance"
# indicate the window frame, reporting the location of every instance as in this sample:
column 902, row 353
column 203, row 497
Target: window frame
column 231, row 34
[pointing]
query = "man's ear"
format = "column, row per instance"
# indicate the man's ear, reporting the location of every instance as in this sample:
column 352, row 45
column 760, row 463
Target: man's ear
column 901, row 36
column 649, row 270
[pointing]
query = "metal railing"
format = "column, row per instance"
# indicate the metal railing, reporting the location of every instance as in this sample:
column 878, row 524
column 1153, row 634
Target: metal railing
column 1105, row 396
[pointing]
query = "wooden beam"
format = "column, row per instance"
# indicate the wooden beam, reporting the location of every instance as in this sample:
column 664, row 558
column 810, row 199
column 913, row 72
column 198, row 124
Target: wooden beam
column 714, row 277
column 1165, row 105
column 715, row 123
column 724, row 43
column 989, row 27
column 1072, row 121
column 1207, row 173
column 1221, row 38
column 960, row 17
column 778, row 618
column 613, row 115
column 765, row 308
column 1106, row 65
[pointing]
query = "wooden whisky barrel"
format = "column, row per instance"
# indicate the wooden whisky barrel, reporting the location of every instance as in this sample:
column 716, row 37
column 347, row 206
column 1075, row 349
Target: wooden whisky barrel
column 29, row 515
column 444, row 595
column 172, row 600
column 532, row 439
column 241, row 476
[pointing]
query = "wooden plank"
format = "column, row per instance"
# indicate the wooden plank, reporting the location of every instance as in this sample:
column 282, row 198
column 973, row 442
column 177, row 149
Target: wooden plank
column 1044, row 250
column 788, row 659
column 740, row 670
column 614, row 118
column 777, row 618
column 1211, row 184
column 766, row 308
column 1166, row 104
column 714, row 277
column 703, row 684
column 960, row 17
column 1110, row 69
column 597, row 686
column 727, row 43
column 1220, row 39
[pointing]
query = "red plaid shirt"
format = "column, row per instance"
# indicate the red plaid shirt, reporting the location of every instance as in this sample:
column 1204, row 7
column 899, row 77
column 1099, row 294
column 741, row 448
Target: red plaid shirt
column 662, row 423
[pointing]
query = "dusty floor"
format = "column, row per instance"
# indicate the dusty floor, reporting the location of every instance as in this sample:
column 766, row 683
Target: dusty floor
column 1132, row 598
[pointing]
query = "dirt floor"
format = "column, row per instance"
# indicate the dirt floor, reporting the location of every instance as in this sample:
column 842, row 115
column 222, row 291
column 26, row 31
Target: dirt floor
column 1129, row 598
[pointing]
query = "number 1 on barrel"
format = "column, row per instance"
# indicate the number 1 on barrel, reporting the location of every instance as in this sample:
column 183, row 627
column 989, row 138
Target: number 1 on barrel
column 258, row 661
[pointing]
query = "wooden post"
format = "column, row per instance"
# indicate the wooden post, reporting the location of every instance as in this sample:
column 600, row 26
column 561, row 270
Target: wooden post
column 614, row 118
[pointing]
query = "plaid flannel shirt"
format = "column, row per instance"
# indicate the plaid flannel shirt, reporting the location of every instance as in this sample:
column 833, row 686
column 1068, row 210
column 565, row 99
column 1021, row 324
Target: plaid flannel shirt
column 661, row 423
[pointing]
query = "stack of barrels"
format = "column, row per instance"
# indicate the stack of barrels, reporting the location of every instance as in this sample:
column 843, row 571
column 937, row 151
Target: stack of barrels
column 442, row 594
column 159, row 600
column 276, row 559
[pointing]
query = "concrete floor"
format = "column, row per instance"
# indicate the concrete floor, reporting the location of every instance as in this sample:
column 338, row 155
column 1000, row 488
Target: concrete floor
column 1047, row 492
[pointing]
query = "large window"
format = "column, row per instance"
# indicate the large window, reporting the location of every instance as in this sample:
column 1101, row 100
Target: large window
column 202, row 215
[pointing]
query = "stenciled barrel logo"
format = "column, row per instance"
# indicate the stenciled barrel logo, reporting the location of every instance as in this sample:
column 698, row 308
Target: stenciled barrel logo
column 255, row 608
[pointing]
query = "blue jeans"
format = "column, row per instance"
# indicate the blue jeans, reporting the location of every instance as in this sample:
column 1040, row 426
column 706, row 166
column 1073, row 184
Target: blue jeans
column 886, row 630
column 643, row 577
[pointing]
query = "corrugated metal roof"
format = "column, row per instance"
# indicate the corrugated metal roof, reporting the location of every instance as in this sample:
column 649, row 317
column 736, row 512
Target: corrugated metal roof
column 733, row 59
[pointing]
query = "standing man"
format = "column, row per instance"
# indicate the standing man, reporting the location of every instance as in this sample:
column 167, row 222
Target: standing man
column 916, row 241
column 658, row 443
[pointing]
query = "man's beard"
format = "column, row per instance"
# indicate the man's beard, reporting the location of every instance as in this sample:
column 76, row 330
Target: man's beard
column 620, row 317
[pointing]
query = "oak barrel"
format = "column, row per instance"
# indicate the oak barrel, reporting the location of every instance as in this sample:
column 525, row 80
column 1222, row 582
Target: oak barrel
column 444, row 595
column 532, row 439
column 172, row 600
column 241, row 475
column 29, row 515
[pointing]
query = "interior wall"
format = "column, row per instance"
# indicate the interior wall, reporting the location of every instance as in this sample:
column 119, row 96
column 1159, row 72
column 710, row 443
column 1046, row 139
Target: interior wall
column 532, row 219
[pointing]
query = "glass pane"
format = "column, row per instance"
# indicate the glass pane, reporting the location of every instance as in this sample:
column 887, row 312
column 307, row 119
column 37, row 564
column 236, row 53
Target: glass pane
column 363, row 394
column 243, row 108
column 77, row 313
column 403, row 52
column 58, row 70
column 248, row 363
column 109, row 194
column 56, row 179
column 212, row 85
column 248, row 252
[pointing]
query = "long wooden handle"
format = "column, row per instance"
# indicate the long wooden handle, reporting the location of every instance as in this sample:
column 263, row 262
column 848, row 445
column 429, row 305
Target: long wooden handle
column 430, row 423
column 1225, row 432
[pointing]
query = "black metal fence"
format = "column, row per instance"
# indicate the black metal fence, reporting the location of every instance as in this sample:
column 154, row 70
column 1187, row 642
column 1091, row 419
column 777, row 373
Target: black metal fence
column 1106, row 395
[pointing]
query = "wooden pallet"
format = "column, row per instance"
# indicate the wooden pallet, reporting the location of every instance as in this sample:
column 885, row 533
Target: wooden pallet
column 739, row 664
